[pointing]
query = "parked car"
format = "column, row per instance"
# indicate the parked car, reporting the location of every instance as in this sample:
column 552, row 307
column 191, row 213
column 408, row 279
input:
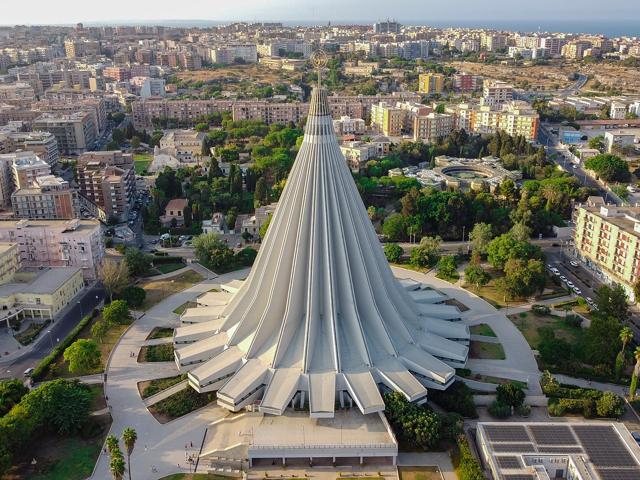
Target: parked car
column 563, row 278
column 29, row 371
column 570, row 284
column 573, row 263
column 589, row 300
column 577, row 291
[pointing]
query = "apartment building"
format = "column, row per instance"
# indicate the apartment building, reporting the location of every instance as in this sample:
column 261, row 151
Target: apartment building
column 185, row 145
column 618, row 111
column 56, row 243
column 107, row 179
column 388, row 119
column 26, row 167
column 620, row 139
column 282, row 47
column 496, row 93
column 75, row 48
column 552, row 46
column 467, row 82
column 75, row 133
column 9, row 262
column 43, row 144
column 346, row 125
column 226, row 54
column 429, row 128
column 357, row 154
column 575, row 50
column 117, row 73
column 493, row 42
column 48, row 197
column 607, row 239
column 17, row 93
column 430, row 83
column 515, row 118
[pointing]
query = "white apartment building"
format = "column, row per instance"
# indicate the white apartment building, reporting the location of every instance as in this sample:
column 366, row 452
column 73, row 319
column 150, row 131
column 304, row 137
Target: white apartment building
column 56, row 243
column 496, row 93
column 346, row 125
column 618, row 111
column 226, row 54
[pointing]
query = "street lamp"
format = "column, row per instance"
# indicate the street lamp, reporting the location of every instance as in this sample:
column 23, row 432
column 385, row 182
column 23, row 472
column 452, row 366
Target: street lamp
column 50, row 338
column 80, row 305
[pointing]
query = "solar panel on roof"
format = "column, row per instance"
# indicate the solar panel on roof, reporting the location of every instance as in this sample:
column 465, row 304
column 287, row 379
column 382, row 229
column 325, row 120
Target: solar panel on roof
column 604, row 446
column 547, row 449
column 508, row 462
column 552, row 435
column 619, row 473
column 513, row 447
column 507, row 433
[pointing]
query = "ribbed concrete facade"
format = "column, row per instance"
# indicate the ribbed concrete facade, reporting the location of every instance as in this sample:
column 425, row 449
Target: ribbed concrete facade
column 321, row 316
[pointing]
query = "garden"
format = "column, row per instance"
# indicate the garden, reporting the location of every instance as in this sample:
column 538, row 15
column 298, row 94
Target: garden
column 180, row 404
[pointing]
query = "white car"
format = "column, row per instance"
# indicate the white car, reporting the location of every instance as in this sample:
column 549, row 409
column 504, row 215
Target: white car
column 563, row 278
column 589, row 300
column 570, row 284
column 556, row 272
column 573, row 263
column 577, row 291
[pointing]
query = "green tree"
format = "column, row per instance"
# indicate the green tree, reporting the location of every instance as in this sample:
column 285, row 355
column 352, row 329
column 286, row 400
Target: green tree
column 212, row 252
column 510, row 394
column 261, row 193
column 447, row 266
column 393, row 252
column 134, row 296
column 612, row 301
column 520, row 232
column 202, row 127
column 602, row 339
column 597, row 142
column 117, row 312
column 394, row 227
column 505, row 247
column 112, row 443
column 608, row 167
column 83, row 356
column 265, row 226
column 426, row 253
column 11, row 392
column 524, row 277
column 129, row 437
column 480, row 237
column 634, row 377
column 475, row 275
column 99, row 330
column 117, row 466
column 626, row 335
column 139, row 263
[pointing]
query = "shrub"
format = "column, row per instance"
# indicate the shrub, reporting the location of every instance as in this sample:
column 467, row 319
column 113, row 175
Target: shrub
column 510, row 394
column 134, row 296
column 468, row 468
column 417, row 425
column 83, row 356
column 556, row 410
column 11, row 392
column 573, row 321
column 117, row 312
column 610, row 405
column 523, row 410
column 393, row 252
column 540, row 309
column 499, row 410
column 183, row 402
column 159, row 353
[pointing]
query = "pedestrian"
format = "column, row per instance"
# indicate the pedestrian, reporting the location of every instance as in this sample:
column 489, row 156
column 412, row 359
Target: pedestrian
column 191, row 444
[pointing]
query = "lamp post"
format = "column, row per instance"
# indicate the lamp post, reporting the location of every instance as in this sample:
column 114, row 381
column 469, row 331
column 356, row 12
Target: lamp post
column 50, row 338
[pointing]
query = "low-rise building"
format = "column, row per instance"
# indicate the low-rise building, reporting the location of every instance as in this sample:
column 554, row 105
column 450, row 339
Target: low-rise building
column 620, row 139
column 185, row 145
column 174, row 213
column 56, row 243
column 217, row 224
column 251, row 223
column 618, row 110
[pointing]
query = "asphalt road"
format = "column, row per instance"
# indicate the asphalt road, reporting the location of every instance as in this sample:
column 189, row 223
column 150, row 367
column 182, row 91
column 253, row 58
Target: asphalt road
column 59, row 330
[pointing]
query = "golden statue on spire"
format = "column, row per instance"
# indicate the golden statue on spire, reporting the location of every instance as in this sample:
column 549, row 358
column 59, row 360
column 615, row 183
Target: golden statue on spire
column 319, row 60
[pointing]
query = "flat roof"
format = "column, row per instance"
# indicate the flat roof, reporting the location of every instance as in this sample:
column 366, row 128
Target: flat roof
column 46, row 282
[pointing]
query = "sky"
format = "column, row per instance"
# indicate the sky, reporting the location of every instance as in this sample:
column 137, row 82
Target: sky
column 114, row 11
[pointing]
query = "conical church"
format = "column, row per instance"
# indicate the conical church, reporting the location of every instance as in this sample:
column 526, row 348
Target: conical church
column 321, row 319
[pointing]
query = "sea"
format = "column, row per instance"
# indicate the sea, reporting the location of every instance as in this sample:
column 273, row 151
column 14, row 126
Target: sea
column 610, row 28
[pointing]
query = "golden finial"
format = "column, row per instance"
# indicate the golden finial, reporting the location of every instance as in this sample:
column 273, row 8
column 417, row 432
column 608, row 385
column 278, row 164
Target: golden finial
column 319, row 60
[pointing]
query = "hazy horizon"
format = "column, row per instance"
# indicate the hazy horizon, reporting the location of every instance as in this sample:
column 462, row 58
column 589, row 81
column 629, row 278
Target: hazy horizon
column 69, row 12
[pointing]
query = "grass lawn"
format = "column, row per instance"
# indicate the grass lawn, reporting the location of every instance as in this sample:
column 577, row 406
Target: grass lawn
column 482, row 329
column 180, row 310
column 160, row 332
column 450, row 279
column 180, row 404
column 495, row 296
column 487, row 351
column 529, row 323
column 170, row 267
column 141, row 162
column 156, row 353
column 65, row 458
column 158, row 290
column 151, row 387
column 420, row 473
column 60, row 368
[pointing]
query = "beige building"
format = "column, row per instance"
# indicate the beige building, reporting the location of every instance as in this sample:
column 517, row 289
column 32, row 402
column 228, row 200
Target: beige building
column 26, row 168
column 348, row 126
column 48, row 198
column 429, row 128
column 108, row 180
column 515, row 118
column 174, row 211
column 185, row 145
column 75, row 133
column 496, row 93
column 387, row 119
column 9, row 262
column 56, row 243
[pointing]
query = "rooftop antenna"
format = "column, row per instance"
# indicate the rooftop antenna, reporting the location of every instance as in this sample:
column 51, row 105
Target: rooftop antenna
column 319, row 60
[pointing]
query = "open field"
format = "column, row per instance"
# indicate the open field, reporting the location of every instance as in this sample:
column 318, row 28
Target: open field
column 257, row 73
column 487, row 351
column 141, row 162
column 529, row 323
column 158, row 290
column 420, row 473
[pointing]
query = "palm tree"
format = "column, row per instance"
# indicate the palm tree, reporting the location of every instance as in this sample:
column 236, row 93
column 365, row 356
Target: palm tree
column 129, row 437
column 112, row 444
column 626, row 335
column 116, row 466
column 634, row 377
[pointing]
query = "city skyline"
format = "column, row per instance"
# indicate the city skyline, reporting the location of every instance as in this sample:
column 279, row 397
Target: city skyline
column 461, row 11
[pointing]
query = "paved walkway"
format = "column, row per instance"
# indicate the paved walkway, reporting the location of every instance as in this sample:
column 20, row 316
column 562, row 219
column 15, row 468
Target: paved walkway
column 581, row 382
column 162, row 446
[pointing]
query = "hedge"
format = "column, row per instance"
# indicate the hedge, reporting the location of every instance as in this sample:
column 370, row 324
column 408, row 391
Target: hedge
column 42, row 368
column 167, row 259
column 468, row 466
